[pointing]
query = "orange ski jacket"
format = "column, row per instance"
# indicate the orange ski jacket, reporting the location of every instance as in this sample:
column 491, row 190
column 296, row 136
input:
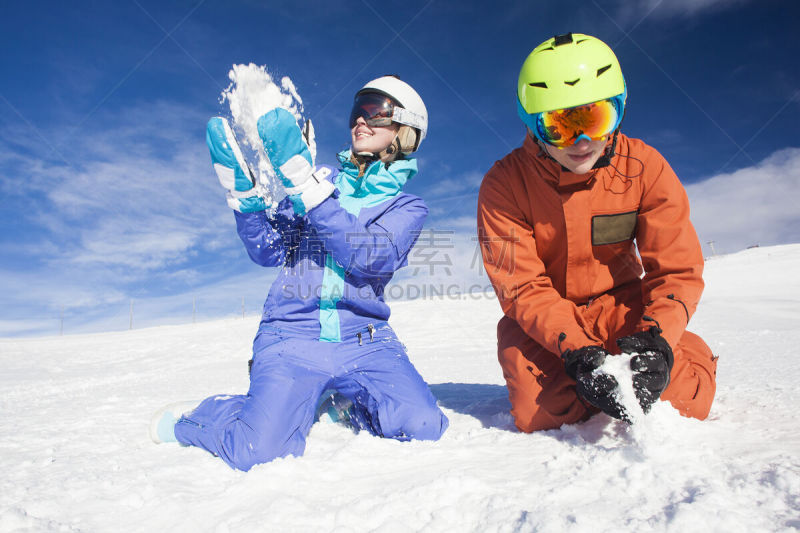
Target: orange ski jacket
column 553, row 241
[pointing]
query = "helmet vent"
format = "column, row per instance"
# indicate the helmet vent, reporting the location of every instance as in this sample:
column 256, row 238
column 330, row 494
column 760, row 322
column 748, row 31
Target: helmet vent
column 602, row 69
column 572, row 83
column 539, row 84
column 559, row 40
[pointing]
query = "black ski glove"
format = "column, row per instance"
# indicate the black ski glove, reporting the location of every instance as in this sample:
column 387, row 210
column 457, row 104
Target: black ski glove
column 651, row 366
column 595, row 388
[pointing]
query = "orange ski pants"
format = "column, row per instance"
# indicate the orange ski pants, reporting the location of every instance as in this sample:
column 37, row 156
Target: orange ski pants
column 543, row 396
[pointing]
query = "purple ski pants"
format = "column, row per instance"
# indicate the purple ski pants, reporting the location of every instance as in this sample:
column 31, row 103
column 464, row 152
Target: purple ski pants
column 287, row 378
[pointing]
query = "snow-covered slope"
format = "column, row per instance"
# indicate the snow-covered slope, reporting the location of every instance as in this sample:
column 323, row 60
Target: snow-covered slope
column 75, row 455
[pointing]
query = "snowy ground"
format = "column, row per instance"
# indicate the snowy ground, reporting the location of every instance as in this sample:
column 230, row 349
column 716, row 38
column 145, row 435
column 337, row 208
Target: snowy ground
column 75, row 455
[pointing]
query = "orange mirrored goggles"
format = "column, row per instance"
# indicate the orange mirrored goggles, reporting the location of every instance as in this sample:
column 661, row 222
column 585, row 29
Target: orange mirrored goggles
column 594, row 121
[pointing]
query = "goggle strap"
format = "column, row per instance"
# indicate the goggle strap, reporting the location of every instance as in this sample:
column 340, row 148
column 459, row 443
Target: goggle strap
column 409, row 118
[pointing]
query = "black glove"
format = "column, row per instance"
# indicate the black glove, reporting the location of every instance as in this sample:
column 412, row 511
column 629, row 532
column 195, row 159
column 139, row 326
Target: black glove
column 651, row 366
column 595, row 388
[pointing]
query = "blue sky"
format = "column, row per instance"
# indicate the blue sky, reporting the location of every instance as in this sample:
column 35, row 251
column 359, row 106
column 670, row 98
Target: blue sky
column 107, row 191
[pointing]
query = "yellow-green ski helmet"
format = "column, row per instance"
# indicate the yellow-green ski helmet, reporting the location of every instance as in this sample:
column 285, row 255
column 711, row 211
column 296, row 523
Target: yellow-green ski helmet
column 567, row 71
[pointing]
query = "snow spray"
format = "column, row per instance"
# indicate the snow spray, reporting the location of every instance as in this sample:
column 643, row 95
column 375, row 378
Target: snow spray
column 252, row 93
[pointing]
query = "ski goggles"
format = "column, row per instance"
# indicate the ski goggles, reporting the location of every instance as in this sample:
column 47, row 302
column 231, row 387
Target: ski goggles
column 376, row 109
column 565, row 127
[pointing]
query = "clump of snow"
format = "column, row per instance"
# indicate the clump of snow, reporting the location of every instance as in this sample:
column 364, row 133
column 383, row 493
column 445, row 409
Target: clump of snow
column 619, row 366
column 76, row 456
column 252, row 92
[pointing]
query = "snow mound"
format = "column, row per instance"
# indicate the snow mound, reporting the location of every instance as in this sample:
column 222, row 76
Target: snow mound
column 76, row 456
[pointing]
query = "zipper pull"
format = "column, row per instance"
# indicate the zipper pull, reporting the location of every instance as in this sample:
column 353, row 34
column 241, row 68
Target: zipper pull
column 359, row 338
column 371, row 330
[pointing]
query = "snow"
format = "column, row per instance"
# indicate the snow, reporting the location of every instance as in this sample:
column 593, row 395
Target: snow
column 75, row 453
column 620, row 368
column 251, row 93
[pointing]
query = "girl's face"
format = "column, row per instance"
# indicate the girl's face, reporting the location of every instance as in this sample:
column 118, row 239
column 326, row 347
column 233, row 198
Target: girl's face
column 372, row 138
column 580, row 157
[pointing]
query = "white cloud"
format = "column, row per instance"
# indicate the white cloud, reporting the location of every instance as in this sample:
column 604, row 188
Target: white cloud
column 446, row 256
column 36, row 304
column 754, row 205
column 151, row 247
column 29, row 328
column 47, row 291
column 131, row 209
column 448, row 187
column 139, row 193
column 632, row 11
column 463, row 224
column 221, row 298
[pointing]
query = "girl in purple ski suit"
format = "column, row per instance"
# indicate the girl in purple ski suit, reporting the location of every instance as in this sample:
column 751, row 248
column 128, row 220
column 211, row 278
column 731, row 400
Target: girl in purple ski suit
column 338, row 236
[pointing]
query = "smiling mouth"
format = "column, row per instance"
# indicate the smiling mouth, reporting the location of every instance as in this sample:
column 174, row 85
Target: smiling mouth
column 581, row 157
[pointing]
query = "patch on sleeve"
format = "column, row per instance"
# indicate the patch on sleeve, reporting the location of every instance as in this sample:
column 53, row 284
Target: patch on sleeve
column 610, row 229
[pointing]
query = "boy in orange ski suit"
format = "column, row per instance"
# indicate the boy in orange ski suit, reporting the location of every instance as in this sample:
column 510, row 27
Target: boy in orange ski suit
column 561, row 249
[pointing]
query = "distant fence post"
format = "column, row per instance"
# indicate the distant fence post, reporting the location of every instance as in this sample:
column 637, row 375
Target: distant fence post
column 130, row 326
column 711, row 245
column 242, row 306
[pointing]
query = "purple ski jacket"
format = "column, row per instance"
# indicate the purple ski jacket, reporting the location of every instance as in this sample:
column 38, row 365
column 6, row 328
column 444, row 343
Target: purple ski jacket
column 337, row 259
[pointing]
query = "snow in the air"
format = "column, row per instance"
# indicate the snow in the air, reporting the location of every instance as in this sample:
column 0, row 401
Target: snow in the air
column 75, row 453
column 251, row 93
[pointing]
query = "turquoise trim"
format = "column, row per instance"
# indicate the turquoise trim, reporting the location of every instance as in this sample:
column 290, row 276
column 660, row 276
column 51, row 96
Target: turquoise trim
column 527, row 118
column 330, row 293
column 221, row 148
column 251, row 204
column 297, row 204
column 282, row 140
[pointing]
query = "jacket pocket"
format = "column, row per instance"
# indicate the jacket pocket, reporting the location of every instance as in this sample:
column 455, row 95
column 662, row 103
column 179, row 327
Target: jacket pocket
column 614, row 228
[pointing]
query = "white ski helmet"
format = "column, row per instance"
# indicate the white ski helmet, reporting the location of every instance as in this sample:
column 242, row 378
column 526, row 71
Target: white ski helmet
column 412, row 112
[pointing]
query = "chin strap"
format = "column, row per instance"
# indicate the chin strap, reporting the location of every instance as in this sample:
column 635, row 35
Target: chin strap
column 364, row 159
column 605, row 159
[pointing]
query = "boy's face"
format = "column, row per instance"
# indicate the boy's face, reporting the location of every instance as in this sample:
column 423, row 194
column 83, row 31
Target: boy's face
column 580, row 157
